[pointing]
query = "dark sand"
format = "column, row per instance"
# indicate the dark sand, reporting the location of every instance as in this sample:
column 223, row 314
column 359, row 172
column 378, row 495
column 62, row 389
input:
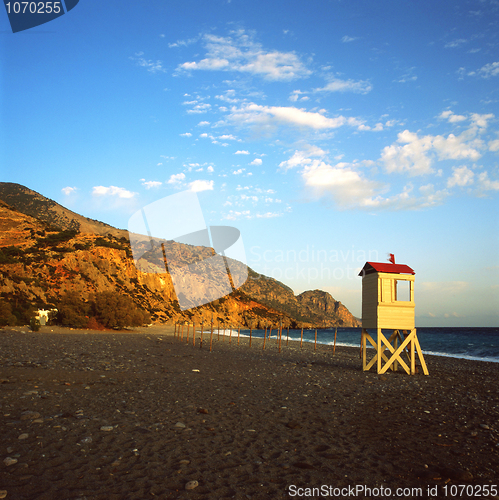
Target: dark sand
column 137, row 415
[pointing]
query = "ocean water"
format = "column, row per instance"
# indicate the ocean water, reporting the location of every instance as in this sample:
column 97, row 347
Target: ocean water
column 474, row 343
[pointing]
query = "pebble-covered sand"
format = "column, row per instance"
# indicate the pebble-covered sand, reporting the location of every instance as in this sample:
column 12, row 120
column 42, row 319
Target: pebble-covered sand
column 142, row 415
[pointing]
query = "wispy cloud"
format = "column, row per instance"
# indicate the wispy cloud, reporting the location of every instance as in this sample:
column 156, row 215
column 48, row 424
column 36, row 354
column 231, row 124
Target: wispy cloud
column 415, row 155
column 491, row 69
column 183, row 43
column 456, row 43
column 348, row 187
column 239, row 52
column 255, row 114
column 68, row 190
column 151, row 184
column 112, row 191
column 338, row 85
column 348, row 39
column 176, row 179
column 151, row 66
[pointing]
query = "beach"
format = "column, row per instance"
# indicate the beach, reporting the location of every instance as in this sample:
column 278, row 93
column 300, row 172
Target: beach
column 142, row 414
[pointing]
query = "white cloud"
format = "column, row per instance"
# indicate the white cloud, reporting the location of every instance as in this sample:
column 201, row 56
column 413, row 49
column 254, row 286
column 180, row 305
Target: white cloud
column 210, row 169
column 256, row 161
column 408, row 76
column 201, row 185
column 242, row 153
column 415, row 155
column 409, row 158
column 302, row 158
column 182, row 43
column 186, row 134
column 348, row 39
column 268, row 215
column 455, row 43
column 176, row 178
column 337, row 85
column 151, row 66
column 451, row 117
column 274, row 115
column 491, row 69
column 241, row 53
column 151, row 184
column 481, row 121
column 345, row 185
column 112, row 191
column 68, row 190
column 348, row 187
column 199, row 108
column 485, row 184
column 494, row 145
column 234, row 215
column 203, row 124
column 461, row 176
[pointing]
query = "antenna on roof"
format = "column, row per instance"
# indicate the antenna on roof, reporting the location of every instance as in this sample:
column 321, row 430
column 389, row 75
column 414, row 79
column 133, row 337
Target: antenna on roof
column 391, row 258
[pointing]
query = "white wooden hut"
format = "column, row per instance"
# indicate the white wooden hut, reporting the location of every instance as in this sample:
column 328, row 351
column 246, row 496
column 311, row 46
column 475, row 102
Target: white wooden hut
column 388, row 303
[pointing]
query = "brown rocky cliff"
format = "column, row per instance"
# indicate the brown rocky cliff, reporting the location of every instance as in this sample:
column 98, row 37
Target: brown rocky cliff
column 323, row 308
column 38, row 264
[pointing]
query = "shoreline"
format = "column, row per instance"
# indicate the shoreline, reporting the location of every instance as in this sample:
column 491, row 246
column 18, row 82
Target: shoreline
column 169, row 330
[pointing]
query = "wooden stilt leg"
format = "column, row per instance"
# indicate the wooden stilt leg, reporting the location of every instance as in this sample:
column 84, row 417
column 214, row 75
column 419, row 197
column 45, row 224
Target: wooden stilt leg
column 378, row 348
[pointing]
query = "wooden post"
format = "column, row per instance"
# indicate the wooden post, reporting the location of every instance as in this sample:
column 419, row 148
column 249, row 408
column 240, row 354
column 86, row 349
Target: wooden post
column 218, row 338
column 251, row 331
column 201, row 341
column 315, row 345
column 230, row 334
column 193, row 334
column 182, row 337
column 301, row 337
column 211, row 334
column 174, row 329
column 280, row 335
column 188, row 332
column 364, row 349
column 238, row 332
column 270, row 331
column 287, row 338
column 335, row 332
column 264, row 336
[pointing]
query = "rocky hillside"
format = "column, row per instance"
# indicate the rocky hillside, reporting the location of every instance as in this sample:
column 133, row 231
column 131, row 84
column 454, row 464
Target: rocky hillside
column 32, row 203
column 39, row 262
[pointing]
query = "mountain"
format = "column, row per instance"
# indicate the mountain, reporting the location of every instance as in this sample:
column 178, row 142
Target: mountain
column 32, row 203
column 45, row 256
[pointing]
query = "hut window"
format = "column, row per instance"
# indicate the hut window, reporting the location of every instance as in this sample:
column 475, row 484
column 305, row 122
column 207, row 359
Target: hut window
column 402, row 290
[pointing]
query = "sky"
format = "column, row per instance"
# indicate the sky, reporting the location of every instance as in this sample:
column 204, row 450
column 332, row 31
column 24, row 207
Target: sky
column 330, row 133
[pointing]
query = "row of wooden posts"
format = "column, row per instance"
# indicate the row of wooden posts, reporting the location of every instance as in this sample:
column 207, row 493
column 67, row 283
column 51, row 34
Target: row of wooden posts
column 179, row 333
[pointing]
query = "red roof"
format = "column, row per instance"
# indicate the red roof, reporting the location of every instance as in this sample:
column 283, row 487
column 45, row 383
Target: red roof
column 385, row 267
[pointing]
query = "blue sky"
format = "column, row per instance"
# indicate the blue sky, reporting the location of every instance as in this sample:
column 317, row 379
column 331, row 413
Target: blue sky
column 328, row 132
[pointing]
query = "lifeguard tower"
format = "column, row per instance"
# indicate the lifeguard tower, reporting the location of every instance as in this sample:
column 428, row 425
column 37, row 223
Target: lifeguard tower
column 388, row 303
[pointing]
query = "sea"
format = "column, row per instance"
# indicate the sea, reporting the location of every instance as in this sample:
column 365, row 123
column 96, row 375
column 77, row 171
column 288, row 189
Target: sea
column 475, row 343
